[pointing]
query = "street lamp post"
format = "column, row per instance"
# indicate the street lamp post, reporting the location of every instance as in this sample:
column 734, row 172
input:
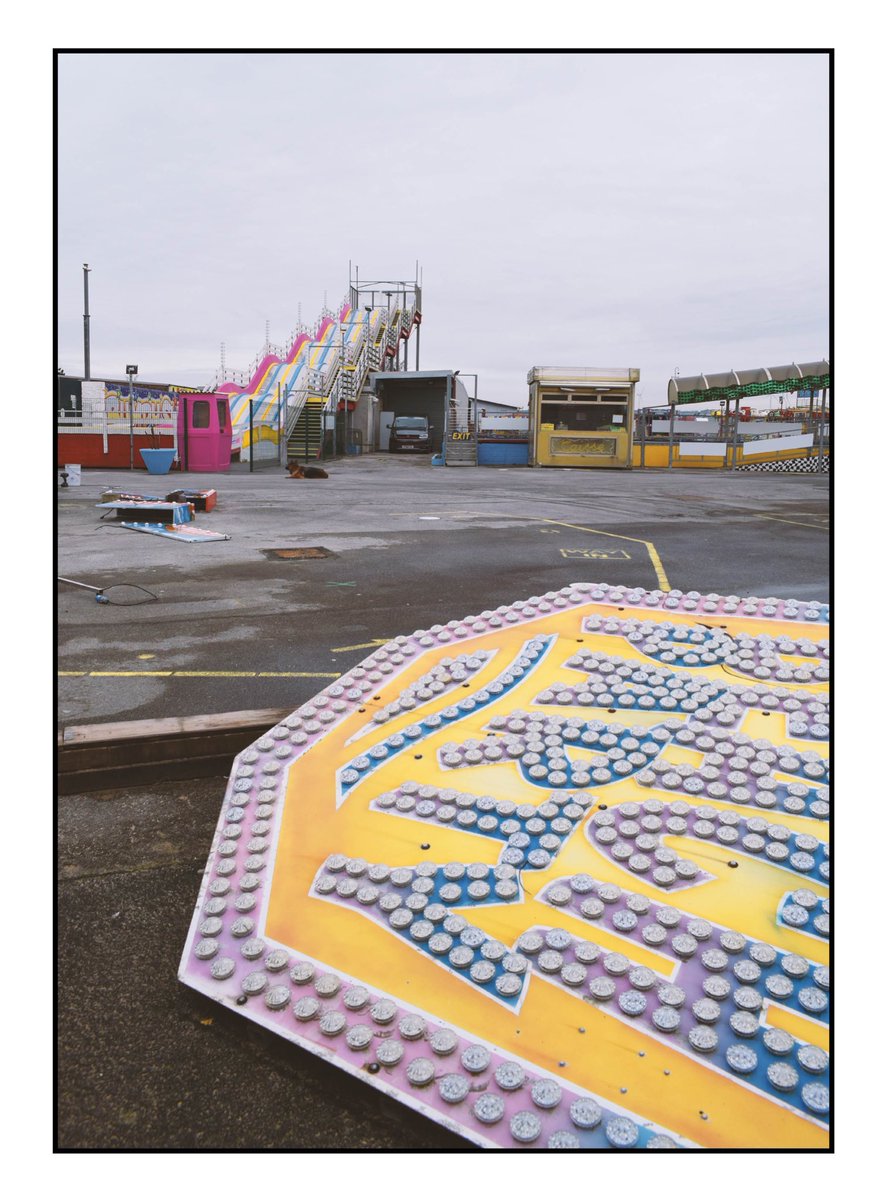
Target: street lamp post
column 131, row 371
column 86, row 321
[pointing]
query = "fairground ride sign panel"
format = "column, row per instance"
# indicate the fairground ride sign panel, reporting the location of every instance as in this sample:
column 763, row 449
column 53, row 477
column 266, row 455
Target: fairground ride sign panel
column 555, row 875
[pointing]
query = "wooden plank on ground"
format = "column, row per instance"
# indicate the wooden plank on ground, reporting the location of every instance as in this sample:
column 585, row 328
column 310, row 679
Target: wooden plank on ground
column 129, row 753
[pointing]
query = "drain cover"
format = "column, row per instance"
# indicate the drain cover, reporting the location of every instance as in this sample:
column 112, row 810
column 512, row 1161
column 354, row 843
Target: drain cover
column 299, row 552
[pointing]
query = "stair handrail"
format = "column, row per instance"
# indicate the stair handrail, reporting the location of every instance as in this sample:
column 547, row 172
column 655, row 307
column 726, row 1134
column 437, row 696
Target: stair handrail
column 295, row 402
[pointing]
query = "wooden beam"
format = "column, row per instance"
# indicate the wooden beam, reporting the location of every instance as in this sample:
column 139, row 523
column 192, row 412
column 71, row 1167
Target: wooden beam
column 130, row 753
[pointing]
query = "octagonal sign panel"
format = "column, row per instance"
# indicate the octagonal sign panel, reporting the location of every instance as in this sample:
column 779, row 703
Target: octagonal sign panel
column 555, row 875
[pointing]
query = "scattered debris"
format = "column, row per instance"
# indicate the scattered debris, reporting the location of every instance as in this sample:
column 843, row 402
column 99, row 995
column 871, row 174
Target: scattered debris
column 109, row 494
column 69, row 475
column 101, row 592
column 153, row 511
column 202, row 501
column 183, row 533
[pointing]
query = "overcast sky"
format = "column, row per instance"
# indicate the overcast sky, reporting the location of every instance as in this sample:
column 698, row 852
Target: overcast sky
column 658, row 211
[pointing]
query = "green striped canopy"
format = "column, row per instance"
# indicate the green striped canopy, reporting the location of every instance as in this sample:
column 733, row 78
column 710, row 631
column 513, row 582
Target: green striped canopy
column 762, row 381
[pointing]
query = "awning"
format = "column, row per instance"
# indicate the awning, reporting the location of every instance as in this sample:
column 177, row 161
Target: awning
column 761, row 381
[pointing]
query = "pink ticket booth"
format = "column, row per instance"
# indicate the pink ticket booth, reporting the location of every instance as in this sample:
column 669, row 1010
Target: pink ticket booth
column 204, row 431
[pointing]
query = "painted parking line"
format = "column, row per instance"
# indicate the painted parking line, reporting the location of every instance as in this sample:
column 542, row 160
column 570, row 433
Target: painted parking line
column 784, row 521
column 203, row 674
column 653, row 555
column 360, row 646
column 656, row 563
column 621, row 555
column 131, row 673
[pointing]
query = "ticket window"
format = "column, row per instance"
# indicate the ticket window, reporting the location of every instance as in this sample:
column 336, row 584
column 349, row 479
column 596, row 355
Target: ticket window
column 592, row 417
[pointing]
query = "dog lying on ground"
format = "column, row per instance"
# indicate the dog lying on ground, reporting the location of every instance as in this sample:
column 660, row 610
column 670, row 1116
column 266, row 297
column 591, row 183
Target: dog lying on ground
column 298, row 471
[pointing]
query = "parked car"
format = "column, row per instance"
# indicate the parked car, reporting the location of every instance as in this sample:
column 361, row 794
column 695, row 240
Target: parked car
column 411, row 433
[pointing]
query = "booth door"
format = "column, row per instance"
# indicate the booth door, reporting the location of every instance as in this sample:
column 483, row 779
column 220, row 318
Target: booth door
column 205, row 433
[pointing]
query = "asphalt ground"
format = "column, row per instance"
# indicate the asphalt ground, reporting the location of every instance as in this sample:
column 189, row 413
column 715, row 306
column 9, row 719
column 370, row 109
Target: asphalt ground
column 410, row 545
column 144, row 1063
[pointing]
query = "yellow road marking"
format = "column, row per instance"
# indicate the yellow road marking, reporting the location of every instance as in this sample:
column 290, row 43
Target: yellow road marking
column 208, row 674
column 298, row 675
column 784, row 521
column 360, row 646
column 608, row 555
column 217, row 674
column 663, row 582
column 130, row 673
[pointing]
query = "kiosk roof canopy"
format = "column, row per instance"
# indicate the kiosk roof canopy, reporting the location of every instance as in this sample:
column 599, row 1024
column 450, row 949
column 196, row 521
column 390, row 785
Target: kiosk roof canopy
column 760, row 381
column 582, row 376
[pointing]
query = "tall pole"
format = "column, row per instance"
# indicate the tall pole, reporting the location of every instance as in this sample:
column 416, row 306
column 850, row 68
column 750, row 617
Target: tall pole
column 86, row 374
column 734, row 441
column 130, row 371
column 820, row 431
column 406, row 340
column 348, row 418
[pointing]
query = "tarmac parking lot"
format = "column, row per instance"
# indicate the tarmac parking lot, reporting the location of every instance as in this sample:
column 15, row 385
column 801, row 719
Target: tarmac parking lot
column 408, row 545
column 144, row 1062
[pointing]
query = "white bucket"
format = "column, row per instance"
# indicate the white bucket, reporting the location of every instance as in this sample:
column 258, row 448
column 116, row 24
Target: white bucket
column 73, row 473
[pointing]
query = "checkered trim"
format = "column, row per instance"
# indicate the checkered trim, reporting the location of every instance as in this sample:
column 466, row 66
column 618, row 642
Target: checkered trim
column 808, row 465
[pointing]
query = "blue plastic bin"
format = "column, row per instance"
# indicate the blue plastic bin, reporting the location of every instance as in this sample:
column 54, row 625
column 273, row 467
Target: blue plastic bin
column 158, row 462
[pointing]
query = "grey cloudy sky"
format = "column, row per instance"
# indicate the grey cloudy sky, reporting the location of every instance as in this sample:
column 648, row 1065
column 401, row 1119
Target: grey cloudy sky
column 652, row 210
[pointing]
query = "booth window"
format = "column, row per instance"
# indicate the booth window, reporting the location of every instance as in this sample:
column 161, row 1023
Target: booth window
column 222, row 415
column 576, row 417
column 200, row 414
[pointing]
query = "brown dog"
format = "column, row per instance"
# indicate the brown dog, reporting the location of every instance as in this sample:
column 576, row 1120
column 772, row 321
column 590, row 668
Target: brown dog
column 297, row 471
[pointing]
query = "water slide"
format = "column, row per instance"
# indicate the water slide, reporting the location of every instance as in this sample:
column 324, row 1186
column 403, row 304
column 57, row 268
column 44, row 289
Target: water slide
column 309, row 368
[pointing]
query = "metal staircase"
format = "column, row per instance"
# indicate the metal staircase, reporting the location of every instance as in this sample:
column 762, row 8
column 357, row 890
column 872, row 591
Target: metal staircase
column 305, row 440
column 460, row 434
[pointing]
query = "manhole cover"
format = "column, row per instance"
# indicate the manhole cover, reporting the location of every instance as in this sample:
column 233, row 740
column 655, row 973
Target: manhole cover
column 299, row 552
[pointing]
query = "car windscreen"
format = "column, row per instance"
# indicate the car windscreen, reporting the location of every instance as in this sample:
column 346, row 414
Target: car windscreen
column 410, row 422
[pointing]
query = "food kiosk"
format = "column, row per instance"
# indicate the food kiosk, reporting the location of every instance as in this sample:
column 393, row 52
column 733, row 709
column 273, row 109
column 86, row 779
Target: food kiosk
column 581, row 417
